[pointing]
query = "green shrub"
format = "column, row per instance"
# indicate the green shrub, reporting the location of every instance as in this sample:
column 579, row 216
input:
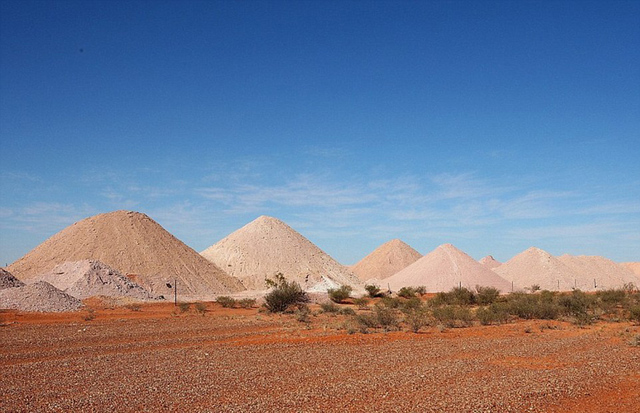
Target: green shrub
column 390, row 302
column 455, row 296
column 247, row 302
column 338, row 295
column 577, row 304
column 329, row 307
column 407, row 292
column 421, row 290
column 373, row 290
column 346, row 311
column 284, row 294
column 226, row 301
column 634, row 314
column 453, row 316
column 362, row 302
column 416, row 317
column 531, row 306
column 201, row 308
column 411, row 304
column 302, row 313
column 486, row 295
column 386, row 317
column 365, row 321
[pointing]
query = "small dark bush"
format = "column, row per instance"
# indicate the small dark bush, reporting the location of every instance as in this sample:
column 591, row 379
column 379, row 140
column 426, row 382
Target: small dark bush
column 91, row 315
column 456, row 296
column 576, row 304
column 412, row 303
column 284, row 294
column 531, row 306
column 407, row 292
column 184, row 307
column 390, row 302
column 329, row 307
column 134, row 307
column 486, row 295
column 365, row 321
column 634, row 314
column 373, row 290
column 247, row 302
column 421, row 290
column 226, row 302
column 416, row 317
column 338, row 295
column 362, row 302
column 347, row 311
column 453, row 316
column 385, row 316
column 201, row 308
column 302, row 313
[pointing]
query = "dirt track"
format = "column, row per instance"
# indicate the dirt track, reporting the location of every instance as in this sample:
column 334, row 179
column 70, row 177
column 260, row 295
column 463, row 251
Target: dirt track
column 240, row 360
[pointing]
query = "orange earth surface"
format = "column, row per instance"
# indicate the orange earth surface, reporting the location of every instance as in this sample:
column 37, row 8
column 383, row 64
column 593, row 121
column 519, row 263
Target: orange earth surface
column 157, row 358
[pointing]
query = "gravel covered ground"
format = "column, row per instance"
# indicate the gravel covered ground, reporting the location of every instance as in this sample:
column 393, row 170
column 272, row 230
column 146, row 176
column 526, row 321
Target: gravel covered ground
column 243, row 361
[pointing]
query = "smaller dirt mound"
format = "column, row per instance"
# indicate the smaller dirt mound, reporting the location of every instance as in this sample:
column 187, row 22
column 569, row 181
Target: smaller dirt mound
column 41, row 296
column 7, row 280
column 490, row 262
column 87, row 278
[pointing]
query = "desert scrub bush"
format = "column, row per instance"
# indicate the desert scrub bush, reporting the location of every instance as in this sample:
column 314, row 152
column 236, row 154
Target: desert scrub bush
column 634, row 314
column 416, row 317
column 133, row 307
column 496, row 313
column 420, row 290
column 184, row 307
column 364, row 322
column 486, row 295
column 373, row 290
column 390, row 302
column 608, row 300
column 247, row 302
column 200, row 307
column 284, row 294
column 577, row 305
column 411, row 304
column 455, row 296
column 329, row 307
column 386, row 317
column 407, row 292
column 362, row 303
column 531, row 306
column 346, row 311
column 338, row 295
column 453, row 316
column 226, row 301
column 91, row 315
column 302, row 313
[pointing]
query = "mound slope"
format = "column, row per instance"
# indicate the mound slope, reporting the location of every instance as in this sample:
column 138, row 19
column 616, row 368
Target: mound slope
column 267, row 246
column 40, row 296
column 386, row 260
column 633, row 266
column 7, row 280
column 131, row 243
column 537, row 267
column 597, row 273
column 86, row 278
column 490, row 262
column 444, row 268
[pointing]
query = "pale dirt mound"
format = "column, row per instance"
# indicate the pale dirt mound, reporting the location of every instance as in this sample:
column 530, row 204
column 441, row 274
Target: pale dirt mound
column 633, row 266
column 40, row 296
column 87, row 278
column 537, row 267
column 444, row 268
column 490, row 262
column 130, row 242
column 598, row 273
column 386, row 260
column 7, row 280
column 267, row 246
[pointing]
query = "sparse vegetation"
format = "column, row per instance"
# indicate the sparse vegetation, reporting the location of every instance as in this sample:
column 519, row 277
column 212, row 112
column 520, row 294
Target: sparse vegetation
column 486, row 295
column 226, row 301
column 362, row 303
column 133, row 307
column 184, row 307
column 416, row 316
column 200, row 307
column 329, row 307
column 91, row 315
column 338, row 295
column 373, row 290
column 284, row 294
column 407, row 292
column 247, row 302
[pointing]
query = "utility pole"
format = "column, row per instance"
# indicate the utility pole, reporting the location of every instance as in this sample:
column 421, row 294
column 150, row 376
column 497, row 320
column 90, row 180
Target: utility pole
column 175, row 292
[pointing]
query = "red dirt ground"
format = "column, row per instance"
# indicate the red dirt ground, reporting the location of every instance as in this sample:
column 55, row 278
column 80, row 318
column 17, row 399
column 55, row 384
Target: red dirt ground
column 238, row 360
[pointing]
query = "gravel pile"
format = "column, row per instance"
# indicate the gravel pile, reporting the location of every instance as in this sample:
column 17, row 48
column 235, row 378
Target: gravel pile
column 386, row 260
column 40, row 296
column 86, row 278
column 7, row 280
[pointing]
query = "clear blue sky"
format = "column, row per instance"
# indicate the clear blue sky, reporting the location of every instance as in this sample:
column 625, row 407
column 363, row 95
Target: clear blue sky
column 494, row 126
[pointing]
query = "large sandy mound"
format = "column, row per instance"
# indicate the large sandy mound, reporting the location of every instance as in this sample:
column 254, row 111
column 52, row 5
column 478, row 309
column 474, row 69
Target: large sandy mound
column 267, row 246
column 131, row 243
column 40, row 296
column 444, row 268
column 633, row 266
column 598, row 273
column 86, row 278
column 490, row 262
column 7, row 280
column 386, row 260
column 537, row 267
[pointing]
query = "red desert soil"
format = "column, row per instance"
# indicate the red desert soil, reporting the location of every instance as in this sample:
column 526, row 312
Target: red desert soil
column 240, row 360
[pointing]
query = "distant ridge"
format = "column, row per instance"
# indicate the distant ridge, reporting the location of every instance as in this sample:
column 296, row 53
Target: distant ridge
column 386, row 260
column 444, row 268
column 267, row 246
column 131, row 243
column 596, row 273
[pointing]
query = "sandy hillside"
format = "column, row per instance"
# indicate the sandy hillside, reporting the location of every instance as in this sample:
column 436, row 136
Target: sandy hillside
column 536, row 266
column 490, row 262
column 131, row 243
column 444, row 268
column 7, row 280
column 598, row 273
column 633, row 266
column 386, row 260
column 267, row 246
column 86, row 278
column 40, row 296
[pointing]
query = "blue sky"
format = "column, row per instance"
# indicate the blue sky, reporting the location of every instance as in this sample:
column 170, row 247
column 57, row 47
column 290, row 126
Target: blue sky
column 494, row 126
